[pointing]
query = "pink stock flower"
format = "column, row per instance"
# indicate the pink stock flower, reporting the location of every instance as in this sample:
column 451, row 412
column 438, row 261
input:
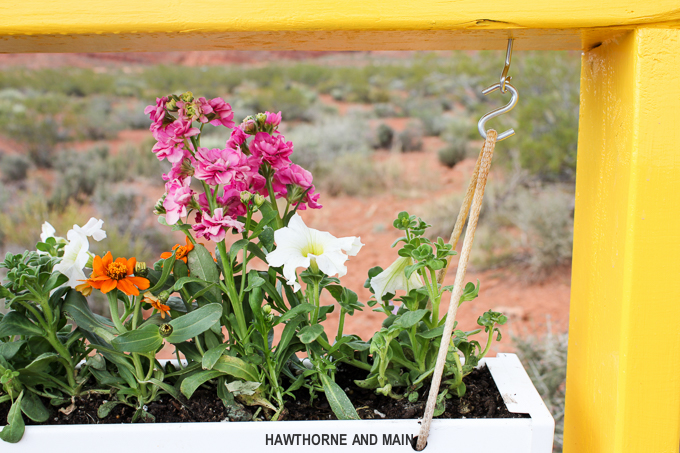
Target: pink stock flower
column 182, row 169
column 238, row 138
column 273, row 119
column 224, row 114
column 178, row 196
column 218, row 166
column 273, row 149
column 214, row 228
column 171, row 140
column 156, row 113
column 230, row 201
column 295, row 175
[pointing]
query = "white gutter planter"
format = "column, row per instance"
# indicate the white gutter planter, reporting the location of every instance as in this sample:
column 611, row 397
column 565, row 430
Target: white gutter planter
column 513, row 435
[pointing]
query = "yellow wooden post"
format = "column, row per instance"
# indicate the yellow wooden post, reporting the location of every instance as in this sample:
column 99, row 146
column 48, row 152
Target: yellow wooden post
column 623, row 381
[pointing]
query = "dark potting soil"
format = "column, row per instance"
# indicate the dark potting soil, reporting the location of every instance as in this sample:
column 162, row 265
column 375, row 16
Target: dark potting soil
column 482, row 400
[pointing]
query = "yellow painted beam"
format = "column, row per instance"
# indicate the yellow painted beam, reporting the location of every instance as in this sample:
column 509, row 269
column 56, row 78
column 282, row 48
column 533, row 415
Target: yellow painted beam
column 78, row 26
column 623, row 374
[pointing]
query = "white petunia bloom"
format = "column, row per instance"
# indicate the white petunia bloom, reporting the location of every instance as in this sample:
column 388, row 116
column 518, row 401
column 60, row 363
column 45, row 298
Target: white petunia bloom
column 76, row 255
column 92, row 228
column 47, row 231
column 300, row 246
column 394, row 278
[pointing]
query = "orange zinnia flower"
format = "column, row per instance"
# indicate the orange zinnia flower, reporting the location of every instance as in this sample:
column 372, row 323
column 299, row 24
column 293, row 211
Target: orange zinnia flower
column 108, row 275
column 157, row 304
column 181, row 251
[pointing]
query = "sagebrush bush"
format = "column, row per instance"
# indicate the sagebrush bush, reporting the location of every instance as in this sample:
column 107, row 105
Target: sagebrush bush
column 453, row 153
column 411, row 138
column 14, row 167
column 327, row 139
column 350, row 174
column 384, row 136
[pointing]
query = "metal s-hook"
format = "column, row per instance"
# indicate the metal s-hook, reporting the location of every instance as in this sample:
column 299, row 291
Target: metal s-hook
column 481, row 126
column 503, row 86
column 508, row 56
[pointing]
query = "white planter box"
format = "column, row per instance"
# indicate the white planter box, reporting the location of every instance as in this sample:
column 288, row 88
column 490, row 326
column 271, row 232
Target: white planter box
column 515, row 435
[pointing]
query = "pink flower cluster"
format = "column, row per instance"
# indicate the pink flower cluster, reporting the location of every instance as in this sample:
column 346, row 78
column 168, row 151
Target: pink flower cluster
column 239, row 167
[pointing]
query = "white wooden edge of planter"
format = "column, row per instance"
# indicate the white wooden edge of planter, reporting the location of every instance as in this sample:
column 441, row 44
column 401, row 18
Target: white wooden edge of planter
column 515, row 435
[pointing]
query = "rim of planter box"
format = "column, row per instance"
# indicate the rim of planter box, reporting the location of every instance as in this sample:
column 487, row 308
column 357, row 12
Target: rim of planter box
column 509, row 435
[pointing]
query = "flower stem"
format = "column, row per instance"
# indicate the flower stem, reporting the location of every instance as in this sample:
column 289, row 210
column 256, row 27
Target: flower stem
column 272, row 197
column 341, row 324
column 231, row 289
column 316, row 300
column 113, row 308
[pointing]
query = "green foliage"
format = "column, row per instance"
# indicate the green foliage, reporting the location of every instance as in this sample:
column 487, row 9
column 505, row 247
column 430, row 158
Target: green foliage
column 14, row 167
column 411, row 138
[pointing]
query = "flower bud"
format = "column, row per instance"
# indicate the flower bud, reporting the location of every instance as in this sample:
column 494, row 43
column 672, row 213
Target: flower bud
column 246, row 197
column 261, row 119
column 186, row 168
column 171, row 105
column 159, row 209
column 267, row 309
column 258, row 200
column 187, row 96
column 164, row 296
column 249, row 126
column 141, row 270
column 165, row 330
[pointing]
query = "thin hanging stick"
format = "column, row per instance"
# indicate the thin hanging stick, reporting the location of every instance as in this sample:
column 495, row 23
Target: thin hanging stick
column 485, row 165
column 462, row 215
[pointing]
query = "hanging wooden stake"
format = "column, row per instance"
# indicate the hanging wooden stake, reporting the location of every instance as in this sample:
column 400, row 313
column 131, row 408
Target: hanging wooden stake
column 482, row 171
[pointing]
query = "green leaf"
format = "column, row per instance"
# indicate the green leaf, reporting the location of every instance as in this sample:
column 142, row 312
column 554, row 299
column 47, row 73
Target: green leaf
column 237, row 368
column 34, row 408
column 169, row 389
column 201, row 265
column 9, row 350
column 236, row 248
column 310, row 333
column 191, row 383
column 469, row 293
column 411, row 318
column 341, row 405
column 430, row 334
column 75, row 305
column 143, row 341
column 14, row 323
column 42, row 361
column 105, row 409
column 297, row 310
column 167, row 268
column 254, row 281
column 55, row 281
column 179, row 284
column 211, row 356
column 14, row 430
column 194, row 323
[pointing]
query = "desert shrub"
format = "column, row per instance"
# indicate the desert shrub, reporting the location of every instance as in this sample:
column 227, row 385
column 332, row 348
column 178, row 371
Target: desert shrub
column 429, row 111
column 326, row 140
column 140, row 162
column 97, row 120
column 386, row 110
column 351, row 174
column 545, row 359
column 20, row 224
column 453, row 153
column 81, row 172
column 14, row 167
column 411, row 138
column 296, row 101
column 130, row 115
column 384, row 135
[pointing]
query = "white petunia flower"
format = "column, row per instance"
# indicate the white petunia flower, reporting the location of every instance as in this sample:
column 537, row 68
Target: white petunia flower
column 47, row 231
column 92, row 228
column 300, row 246
column 394, row 278
column 76, row 255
